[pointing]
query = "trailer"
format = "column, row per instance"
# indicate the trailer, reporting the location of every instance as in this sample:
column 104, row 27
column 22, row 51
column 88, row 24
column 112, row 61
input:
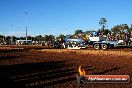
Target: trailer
column 110, row 44
column 104, row 44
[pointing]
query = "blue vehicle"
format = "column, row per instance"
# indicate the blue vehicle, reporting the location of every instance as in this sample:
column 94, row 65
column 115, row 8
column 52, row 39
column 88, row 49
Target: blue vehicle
column 75, row 43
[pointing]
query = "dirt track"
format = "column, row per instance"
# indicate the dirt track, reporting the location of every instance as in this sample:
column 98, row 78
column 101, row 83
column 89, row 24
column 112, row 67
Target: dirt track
column 58, row 68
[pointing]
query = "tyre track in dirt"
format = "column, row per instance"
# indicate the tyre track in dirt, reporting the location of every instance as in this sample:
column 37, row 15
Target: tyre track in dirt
column 57, row 68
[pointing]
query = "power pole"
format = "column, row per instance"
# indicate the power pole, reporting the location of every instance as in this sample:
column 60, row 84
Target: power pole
column 26, row 35
column 26, row 29
column 131, row 30
column 11, row 35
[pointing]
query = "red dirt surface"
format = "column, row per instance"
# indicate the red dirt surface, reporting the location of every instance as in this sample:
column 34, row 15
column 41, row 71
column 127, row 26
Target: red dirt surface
column 58, row 68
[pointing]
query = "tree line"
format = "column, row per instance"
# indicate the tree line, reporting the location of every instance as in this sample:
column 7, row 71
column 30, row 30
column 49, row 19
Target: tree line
column 120, row 29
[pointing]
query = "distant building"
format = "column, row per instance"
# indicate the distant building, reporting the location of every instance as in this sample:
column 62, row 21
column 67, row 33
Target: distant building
column 23, row 42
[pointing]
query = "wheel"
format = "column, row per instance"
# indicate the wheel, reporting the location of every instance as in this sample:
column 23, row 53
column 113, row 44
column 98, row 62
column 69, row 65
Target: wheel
column 96, row 46
column 56, row 45
column 104, row 46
